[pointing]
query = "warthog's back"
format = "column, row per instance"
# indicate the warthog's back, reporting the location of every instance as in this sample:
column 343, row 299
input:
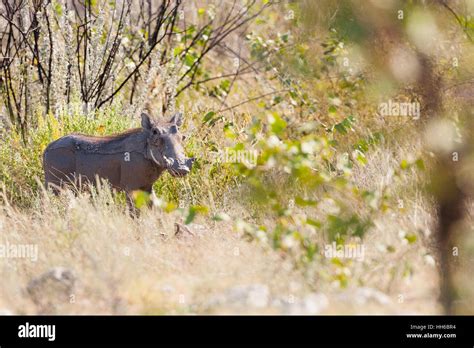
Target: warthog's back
column 130, row 141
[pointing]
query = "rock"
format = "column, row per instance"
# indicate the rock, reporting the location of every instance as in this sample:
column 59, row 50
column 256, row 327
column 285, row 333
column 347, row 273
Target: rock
column 191, row 230
column 167, row 288
column 181, row 230
column 313, row 303
column 51, row 288
column 247, row 296
column 5, row 311
column 364, row 295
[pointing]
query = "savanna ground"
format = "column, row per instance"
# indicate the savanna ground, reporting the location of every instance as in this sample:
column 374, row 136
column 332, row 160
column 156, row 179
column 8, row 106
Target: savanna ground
column 294, row 153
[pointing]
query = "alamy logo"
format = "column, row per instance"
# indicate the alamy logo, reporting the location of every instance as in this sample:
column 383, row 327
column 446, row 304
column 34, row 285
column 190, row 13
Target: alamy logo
column 247, row 157
column 346, row 251
column 20, row 251
column 37, row 331
column 393, row 108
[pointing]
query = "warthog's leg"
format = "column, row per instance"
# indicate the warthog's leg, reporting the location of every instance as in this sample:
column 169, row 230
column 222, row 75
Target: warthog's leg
column 49, row 186
column 131, row 208
column 152, row 196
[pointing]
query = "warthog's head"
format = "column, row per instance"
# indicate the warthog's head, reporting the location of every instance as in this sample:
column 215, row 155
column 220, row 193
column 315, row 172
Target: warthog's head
column 164, row 145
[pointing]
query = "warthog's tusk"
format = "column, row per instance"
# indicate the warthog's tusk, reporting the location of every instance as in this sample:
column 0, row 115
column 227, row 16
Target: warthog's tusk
column 169, row 161
column 153, row 157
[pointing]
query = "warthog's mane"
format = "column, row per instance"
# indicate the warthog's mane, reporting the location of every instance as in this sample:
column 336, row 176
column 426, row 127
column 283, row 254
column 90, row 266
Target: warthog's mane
column 122, row 135
column 111, row 137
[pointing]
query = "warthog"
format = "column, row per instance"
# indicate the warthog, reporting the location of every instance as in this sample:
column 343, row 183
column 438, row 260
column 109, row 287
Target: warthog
column 130, row 161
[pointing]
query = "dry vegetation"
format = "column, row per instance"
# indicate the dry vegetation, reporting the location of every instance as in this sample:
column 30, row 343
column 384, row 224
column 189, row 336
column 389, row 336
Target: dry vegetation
column 136, row 266
column 240, row 238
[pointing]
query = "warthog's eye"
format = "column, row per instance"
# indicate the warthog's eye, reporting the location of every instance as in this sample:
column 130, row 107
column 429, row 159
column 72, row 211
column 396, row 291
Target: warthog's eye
column 157, row 131
column 174, row 129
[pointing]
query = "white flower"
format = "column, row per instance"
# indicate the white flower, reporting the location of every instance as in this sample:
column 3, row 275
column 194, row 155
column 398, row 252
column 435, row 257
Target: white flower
column 271, row 162
column 401, row 234
column 429, row 260
column 289, row 242
column 130, row 65
column 293, row 150
column 261, row 236
column 308, row 147
column 273, row 141
column 125, row 41
column 336, row 101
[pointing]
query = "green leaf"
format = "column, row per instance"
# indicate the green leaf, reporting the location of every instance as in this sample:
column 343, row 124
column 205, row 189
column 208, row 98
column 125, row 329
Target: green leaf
column 314, row 223
column 304, row 202
column 277, row 123
column 141, row 198
column 360, row 157
column 420, row 164
column 58, row 9
column 190, row 217
column 193, row 210
column 208, row 116
column 277, row 99
column 411, row 238
column 404, row 164
column 340, row 128
column 346, row 124
column 189, row 59
column 170, row 206
column 225, row 85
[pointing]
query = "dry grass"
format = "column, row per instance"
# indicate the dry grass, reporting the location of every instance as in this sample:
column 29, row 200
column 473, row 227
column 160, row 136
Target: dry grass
column 139, row 266
column 131, row 266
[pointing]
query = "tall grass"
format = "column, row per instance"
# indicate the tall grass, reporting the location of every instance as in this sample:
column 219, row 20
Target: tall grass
column 329, row 169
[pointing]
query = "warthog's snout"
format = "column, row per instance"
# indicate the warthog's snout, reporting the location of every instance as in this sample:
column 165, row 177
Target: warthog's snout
column 190, row 161
column 181, row 168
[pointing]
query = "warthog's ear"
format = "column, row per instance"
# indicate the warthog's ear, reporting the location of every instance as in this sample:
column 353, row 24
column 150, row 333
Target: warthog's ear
column 146, row 122
column 177, row 119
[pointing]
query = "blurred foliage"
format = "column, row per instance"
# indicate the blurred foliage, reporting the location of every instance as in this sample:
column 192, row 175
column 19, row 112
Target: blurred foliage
column 311, row 134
